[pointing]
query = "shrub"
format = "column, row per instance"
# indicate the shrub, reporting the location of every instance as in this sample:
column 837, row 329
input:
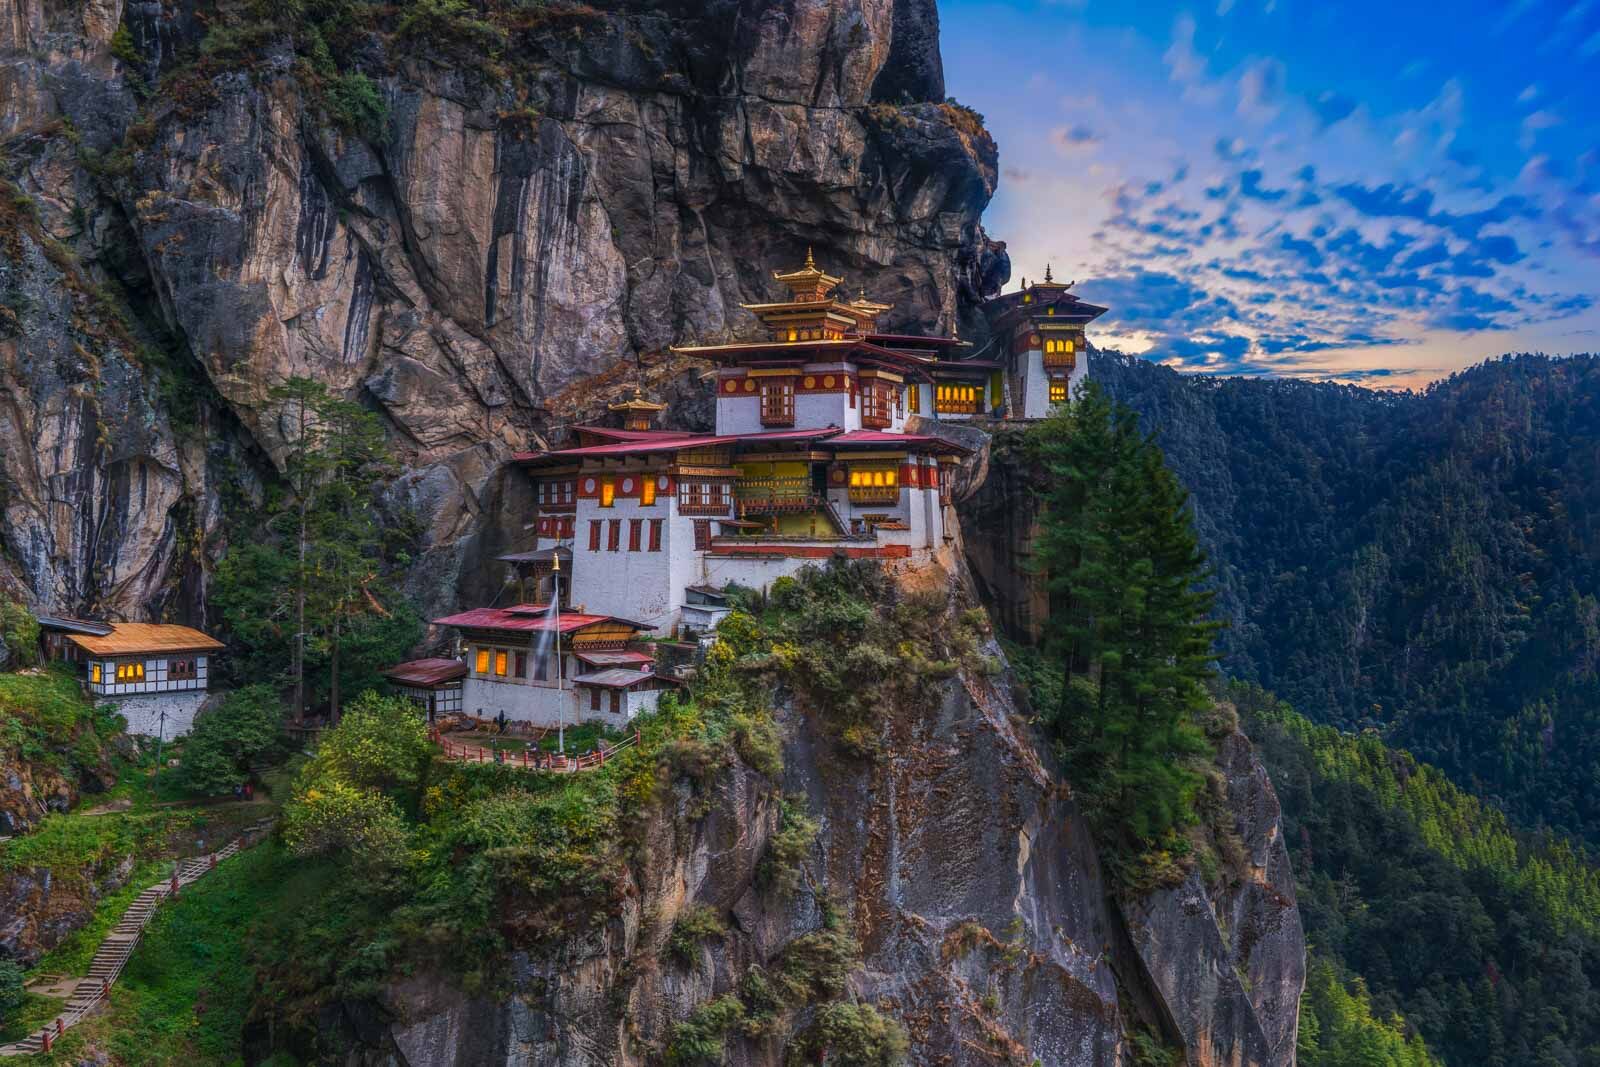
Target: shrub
column 381, row 743
column 447, row 24
column 786, row 851
column 353, row 101
column 227, row 740
column 20, row 631
column 851, row 1035
column 693, row 926
column 12, row 993
column 700, row 1037
column 331, row 817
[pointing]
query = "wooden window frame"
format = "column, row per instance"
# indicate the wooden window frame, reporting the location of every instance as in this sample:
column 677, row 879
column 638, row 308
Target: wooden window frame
column 1058, row 386
column 520, row 662
column 594, row 535
column 501, row 661
column 635, row 534
column 608, row 491
column 616, row 702
column 594, row 699
column 614, row 536
column 656, row 526
column 702, row 535
column 875, row 405
column 647, row 491
column 777, row 402
column 480, row 662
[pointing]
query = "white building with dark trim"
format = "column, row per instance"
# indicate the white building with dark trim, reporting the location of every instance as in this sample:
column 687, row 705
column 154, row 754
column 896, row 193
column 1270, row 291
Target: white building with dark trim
column 157, row 674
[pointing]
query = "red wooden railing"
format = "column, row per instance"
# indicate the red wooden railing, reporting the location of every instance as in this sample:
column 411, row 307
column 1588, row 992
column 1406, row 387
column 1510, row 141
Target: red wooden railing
column 457, row 752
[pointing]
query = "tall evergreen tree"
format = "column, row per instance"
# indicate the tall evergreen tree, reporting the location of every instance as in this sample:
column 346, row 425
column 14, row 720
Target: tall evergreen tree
column 1128, row 627
column 313, row 588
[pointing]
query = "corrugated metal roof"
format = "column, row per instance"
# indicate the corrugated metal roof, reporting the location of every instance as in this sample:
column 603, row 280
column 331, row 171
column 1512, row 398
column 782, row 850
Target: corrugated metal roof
column 614, row 678
column 433, row 671
column 132, row 638
column 75, row 626
column 619, row 658
column 884, row 438
column 525, row 618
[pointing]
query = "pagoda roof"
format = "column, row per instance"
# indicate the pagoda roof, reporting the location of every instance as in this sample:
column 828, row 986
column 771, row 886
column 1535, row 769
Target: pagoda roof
column 629, row 435
column 527, row 618
column 70, row 625
column 426, row 672
column 840, row 347
column 808, row 273
column 889, row 340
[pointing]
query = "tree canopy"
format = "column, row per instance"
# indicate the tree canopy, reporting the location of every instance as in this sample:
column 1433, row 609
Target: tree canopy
column 1128, row 629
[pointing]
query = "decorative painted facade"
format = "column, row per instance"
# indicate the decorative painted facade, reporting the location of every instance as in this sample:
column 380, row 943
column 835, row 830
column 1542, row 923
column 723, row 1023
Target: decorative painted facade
column 1042, row 350
column 820, row 451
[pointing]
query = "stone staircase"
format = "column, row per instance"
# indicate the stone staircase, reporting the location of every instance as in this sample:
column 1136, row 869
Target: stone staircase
column 119, row 944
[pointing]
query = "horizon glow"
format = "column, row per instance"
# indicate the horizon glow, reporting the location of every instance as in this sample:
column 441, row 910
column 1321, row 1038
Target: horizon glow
column 1379, row 194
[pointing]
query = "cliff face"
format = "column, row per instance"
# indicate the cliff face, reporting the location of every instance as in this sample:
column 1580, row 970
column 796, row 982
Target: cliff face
column 964, row 869
column 477, row 266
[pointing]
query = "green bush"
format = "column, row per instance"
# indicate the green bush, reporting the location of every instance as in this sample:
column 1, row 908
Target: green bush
column 12, row 993
column 693, row 926
column 787, row 850
column 700, row 1038
column 353, row 101
column 226, row 741
column 851, row 1035
column 20, row 631
column 449, row 24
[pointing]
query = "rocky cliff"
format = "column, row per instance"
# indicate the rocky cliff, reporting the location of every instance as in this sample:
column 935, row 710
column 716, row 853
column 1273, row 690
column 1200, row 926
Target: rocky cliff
column 474, row 225
column 959, row 862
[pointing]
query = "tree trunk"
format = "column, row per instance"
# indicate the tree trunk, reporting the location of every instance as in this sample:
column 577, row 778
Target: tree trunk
column 333, row 674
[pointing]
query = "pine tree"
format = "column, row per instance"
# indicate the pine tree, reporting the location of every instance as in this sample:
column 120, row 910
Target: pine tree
column 1129, row 627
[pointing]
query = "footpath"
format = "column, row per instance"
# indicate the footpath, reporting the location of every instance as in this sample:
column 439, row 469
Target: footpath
column 119, row 944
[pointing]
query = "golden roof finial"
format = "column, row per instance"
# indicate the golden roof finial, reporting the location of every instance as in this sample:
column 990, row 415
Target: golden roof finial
column 811, row 264
column 1047, row 278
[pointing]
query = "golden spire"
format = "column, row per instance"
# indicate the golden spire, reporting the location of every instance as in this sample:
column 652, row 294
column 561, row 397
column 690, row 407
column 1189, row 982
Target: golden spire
column 1047, row 278
column 811, row 264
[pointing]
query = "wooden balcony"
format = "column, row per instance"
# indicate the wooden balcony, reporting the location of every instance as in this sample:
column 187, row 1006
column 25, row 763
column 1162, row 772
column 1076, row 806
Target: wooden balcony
column 757, row 495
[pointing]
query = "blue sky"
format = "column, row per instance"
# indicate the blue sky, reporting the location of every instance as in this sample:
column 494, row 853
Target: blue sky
column 1371, row 192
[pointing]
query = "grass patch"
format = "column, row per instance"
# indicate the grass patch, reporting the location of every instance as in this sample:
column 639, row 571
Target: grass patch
column 187, row 989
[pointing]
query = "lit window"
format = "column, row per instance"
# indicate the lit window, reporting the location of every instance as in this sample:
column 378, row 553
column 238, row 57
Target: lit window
column 483, row 661
column 1058, row 392
column 647, row 491
column 608, row 491
column 500, row 662
column 94, row 674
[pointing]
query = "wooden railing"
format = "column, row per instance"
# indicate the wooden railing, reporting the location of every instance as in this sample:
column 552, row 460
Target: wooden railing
column 457, row 752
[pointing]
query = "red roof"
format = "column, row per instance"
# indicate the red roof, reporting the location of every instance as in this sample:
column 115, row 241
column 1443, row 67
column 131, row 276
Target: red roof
column 628, row 435
column 622, row 657
column 674, row 443
column 525, row 618
column 882, row 438
column 427, row 672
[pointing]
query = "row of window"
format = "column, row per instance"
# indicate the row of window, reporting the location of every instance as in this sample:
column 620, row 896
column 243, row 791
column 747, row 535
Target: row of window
column 616, row 700
column 178, row 670
column 614, row 534
column 1058, row 391
column 608, row 491
column 558, row 492
column 956, row 399
column 559, row 527
column 504, row 662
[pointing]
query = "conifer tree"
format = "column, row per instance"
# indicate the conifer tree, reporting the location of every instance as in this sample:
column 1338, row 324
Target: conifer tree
column 1128, row 627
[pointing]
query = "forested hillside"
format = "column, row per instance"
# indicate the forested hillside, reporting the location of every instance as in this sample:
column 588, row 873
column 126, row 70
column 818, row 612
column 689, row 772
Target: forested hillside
column 1484, row 939
column 1423, row 562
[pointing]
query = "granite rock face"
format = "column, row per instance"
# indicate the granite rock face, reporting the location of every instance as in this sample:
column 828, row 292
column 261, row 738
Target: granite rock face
column 962, row 865
column 471, row 270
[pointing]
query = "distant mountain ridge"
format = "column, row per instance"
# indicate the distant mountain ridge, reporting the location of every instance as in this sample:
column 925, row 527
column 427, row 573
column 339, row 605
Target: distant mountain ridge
column 1425, row 562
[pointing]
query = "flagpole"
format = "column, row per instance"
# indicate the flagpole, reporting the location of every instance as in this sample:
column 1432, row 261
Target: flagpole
column 561, row 694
